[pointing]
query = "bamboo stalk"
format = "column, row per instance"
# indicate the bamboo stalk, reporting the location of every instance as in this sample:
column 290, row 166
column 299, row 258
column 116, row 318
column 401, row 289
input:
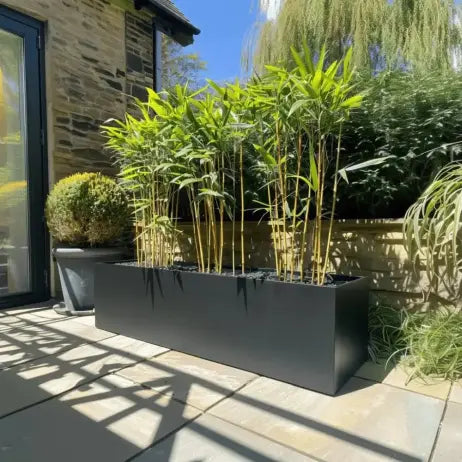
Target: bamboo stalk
column 221, row 213
column 233, row 220
column 294, row 211
column 283, row 200
column 220, row 257
column 195, row 237
column 334, row 200
column 321, row 202
column 241, row 162
column 318, row 217
column 273, row 231
column 278, row 229
column 305, row 230
column 208, row 230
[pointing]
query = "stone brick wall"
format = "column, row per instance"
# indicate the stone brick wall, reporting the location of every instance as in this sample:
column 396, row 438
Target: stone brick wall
column 375, row 248
column 139, row 56
column 96, row 53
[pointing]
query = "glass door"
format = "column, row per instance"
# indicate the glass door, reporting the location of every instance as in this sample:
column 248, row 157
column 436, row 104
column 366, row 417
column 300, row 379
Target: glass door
column 23, row 239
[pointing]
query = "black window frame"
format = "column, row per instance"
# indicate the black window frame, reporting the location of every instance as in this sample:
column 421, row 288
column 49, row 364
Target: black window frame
column 32, row 32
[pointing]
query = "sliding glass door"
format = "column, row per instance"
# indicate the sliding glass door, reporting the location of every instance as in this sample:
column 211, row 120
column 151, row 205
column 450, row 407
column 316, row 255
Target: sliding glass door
column 23, row 240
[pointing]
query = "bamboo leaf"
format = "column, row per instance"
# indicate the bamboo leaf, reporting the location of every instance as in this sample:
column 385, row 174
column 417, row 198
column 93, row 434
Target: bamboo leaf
column 299, row 61
column 368, row 163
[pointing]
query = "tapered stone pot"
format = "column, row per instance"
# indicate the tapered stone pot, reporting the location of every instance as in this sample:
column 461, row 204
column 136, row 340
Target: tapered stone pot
column 76, row 268
column 311, row 336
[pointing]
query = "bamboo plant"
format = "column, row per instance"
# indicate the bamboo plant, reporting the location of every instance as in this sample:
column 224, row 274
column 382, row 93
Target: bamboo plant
column 197, row 147
column 144, row 147
column 304, row 110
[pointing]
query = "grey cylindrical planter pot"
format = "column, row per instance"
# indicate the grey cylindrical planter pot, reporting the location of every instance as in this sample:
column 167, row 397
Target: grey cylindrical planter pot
column 76, row 268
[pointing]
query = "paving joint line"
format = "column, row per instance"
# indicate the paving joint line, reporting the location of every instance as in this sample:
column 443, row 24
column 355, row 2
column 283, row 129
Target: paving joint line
column 254, row 379
column 402, row 389
column 179, row 401
column 438, row 432
column 85, row 382
column 206, row 412
column 233, row 392
column 316, row 459
column 86, row 343
column 166, row 436
column 31, row 323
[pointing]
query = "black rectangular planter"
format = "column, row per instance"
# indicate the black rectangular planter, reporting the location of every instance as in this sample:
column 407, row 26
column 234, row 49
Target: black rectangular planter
column 310, row 336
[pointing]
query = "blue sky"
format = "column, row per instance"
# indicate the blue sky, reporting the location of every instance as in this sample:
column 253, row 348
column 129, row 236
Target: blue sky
column 223, row 32
column 225, row 25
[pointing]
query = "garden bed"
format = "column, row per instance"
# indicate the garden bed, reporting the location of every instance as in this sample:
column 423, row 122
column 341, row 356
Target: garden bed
column 311, row 336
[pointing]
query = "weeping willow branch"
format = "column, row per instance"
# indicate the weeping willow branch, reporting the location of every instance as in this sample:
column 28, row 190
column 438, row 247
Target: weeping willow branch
column 422, row 34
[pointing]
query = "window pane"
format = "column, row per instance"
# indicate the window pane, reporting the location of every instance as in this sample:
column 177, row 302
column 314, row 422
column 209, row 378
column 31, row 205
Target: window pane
column 14, row 226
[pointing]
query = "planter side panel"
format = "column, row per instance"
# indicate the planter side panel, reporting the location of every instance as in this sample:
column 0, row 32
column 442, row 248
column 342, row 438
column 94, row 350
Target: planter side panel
column 351, row 328
column 283, row 331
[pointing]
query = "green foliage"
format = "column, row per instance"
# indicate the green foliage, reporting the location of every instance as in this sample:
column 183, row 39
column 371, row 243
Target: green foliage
column 299, row 115
column 388, row 328
column 433, row 231
column 178, row 67
column 416, row 119
column 429, row 344
column 435, row 346
column 181, row 147
column 272, row 139
column 404, row 52
column 385, row 34
column 87, row 209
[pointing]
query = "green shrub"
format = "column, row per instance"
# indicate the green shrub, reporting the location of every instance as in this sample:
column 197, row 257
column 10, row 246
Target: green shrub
column 416, row 119
column 87, row 209
column 386, row 331
column 434, row 346
column 429, row 343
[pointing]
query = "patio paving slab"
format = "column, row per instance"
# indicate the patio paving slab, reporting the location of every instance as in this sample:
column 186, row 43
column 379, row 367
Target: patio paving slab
column 193, row 380
column 456, row 393
column 108, row 420
column 208, row 439
column 398, row 377
column 366, row 421
column 39, row 316
column 87, row 320
column 30, row 308
column 30, row 341
column 449, row 444
column 38, row 380
column 68, row 399
column 9, row 322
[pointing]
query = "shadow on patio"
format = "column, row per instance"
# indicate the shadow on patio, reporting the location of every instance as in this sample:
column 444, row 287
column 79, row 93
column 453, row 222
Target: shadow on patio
column 72, row 392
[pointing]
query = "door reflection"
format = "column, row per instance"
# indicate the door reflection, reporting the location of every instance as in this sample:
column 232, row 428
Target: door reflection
column 14, row 226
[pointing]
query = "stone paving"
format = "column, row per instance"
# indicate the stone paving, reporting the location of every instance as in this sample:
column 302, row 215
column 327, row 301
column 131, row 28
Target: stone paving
column 71, row 392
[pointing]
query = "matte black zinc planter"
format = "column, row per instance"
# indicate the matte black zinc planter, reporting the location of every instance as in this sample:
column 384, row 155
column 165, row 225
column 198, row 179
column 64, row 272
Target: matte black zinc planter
column 310, row 336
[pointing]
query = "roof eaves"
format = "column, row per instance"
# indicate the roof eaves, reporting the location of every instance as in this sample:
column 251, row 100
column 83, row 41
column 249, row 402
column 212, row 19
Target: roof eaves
column 165, row 10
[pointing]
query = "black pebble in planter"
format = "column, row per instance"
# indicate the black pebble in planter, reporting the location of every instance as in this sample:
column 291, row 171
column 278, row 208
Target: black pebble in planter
column 310, row 336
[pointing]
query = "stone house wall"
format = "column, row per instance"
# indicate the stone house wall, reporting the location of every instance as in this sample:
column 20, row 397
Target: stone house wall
column 97, row 53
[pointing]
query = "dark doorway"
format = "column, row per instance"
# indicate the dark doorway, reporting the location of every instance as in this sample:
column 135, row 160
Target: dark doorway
column 24, row 257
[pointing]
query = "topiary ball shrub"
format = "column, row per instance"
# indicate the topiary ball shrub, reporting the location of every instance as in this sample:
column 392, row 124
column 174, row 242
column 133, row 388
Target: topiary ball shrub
column 87, row 210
